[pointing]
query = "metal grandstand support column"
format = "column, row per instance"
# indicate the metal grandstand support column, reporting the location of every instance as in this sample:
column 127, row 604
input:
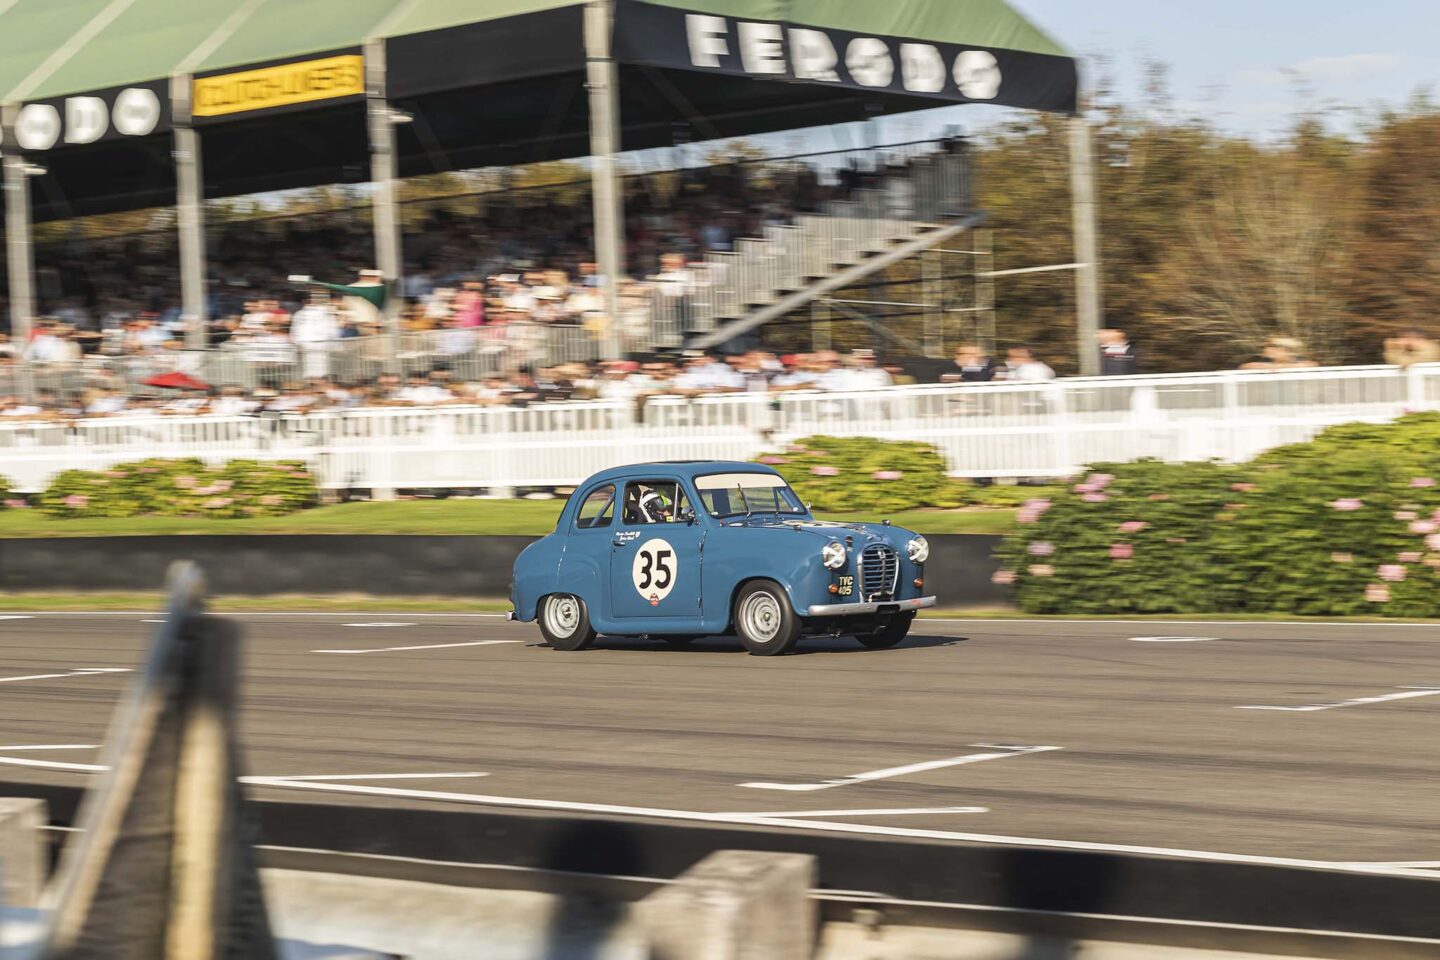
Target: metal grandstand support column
column 189, row 214
column 1087, row 245
column 19, row 254
column 604, row 141
column 383, row 176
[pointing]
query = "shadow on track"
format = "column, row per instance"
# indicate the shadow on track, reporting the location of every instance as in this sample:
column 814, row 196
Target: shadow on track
column 730, row 645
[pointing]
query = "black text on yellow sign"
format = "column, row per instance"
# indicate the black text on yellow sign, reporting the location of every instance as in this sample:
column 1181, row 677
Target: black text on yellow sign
column 281, row 86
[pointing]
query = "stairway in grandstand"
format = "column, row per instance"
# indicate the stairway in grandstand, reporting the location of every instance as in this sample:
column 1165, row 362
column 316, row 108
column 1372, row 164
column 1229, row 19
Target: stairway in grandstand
column 768, row 276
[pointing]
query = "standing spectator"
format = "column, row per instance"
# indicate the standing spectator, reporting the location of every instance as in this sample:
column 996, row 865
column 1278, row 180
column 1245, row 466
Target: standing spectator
column 1021, row 365
column 1411, row 347
column 1117, row 354
column 1281, row 353
column 973, row 364
column 314, row 330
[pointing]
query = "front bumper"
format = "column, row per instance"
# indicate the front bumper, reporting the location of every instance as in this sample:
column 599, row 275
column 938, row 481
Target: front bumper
column 852, row 609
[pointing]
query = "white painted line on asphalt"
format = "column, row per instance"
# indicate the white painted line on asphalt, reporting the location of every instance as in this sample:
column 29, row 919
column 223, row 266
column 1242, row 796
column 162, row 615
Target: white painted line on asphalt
column 259, row 613
column 380, row 776
column 17, row 616
column 426, row 646
column 831, row 826
column 891, row 812
column 379, row 624
column 83, row 672
column 1358, row 701
column 52, row 765
column 52, row 746
column 1172, row 639
column 888, row 772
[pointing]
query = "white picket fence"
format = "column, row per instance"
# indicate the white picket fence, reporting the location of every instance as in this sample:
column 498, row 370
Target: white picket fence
column 998, row 430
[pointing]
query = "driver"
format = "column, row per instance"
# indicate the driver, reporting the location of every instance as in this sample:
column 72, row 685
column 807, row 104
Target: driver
column 653, row 508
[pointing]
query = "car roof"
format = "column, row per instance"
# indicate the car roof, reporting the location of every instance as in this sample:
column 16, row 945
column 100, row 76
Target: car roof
column 687, row 469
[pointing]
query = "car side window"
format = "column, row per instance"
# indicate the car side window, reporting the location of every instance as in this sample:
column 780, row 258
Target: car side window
column 598, row 508
column 654, row 501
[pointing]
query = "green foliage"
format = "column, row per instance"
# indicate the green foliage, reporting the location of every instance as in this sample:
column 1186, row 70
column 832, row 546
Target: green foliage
column 181, row 488
column 862, row 473
column 1348, row 524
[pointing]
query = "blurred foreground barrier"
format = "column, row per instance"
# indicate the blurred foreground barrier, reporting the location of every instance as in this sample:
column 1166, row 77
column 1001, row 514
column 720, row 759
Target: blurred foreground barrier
column 22, row 851
column 164, row 868
column 735, row 905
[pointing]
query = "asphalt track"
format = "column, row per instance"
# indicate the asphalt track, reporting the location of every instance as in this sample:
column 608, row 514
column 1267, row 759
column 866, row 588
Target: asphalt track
column 1154, row 736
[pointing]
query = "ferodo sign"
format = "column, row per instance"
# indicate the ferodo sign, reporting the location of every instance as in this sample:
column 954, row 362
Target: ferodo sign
column 106, row 115
column 286, row 85
column 663, row 36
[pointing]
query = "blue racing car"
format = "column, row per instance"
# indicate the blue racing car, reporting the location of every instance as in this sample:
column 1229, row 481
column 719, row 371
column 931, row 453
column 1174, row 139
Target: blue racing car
column 695, row 548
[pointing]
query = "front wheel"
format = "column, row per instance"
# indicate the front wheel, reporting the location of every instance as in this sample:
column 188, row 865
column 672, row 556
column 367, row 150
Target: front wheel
column 764, row 620
column 889, row 633
column 565, row 622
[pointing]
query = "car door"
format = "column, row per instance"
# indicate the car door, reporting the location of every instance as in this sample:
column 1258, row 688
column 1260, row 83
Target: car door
column 655, row 553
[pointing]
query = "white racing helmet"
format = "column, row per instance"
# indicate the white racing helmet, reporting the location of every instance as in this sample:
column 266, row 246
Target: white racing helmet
column 653, row 507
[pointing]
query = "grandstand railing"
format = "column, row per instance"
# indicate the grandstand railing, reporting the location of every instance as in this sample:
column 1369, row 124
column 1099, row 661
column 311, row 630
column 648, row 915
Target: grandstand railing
column 994, row 430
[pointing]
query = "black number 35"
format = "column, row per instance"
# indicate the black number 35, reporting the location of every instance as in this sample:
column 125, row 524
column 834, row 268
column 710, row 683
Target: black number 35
column 656, row 567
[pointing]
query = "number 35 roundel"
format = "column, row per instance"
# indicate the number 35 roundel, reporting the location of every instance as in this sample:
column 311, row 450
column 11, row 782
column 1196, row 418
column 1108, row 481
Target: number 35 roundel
column 654, row 570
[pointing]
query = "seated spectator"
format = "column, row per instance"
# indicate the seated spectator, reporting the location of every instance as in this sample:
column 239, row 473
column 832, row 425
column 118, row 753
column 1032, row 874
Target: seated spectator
column 706, row 374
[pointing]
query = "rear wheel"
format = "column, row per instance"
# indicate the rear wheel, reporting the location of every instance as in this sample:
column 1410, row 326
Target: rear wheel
column 764, row 620
column 565, row 622
column 889, row 633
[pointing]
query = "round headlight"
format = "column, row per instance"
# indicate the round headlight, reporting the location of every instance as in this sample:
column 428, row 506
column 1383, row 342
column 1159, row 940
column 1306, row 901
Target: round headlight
column 833, row 555
column 919, row 550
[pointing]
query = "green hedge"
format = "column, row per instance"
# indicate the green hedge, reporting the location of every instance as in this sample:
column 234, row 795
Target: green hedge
column 1346, row 524
column 837, row 474
column 182, row 488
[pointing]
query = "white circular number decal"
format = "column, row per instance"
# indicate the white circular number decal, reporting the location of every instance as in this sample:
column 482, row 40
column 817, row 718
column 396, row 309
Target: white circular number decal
column 654, row 570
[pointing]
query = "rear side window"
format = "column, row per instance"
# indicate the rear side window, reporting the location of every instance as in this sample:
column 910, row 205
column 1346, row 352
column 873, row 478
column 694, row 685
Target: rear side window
column 597, row 509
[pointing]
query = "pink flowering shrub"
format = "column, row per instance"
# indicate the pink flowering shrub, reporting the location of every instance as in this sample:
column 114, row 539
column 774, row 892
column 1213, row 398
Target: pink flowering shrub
column 182, row 488
column 1348, row 523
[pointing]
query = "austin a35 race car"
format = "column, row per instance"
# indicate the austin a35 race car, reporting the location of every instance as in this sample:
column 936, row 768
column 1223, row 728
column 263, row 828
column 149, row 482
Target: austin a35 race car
column 681, row 550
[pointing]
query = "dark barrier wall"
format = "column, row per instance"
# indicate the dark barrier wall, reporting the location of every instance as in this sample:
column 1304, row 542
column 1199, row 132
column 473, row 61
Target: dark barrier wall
column 959, row 569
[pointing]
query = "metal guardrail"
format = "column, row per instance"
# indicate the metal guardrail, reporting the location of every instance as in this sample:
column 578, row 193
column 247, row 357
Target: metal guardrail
column 994, row 430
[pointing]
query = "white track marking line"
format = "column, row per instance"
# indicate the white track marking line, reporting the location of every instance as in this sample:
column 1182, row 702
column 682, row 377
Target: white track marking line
column 827, row 826
column 892, row 812
column 82, row 672
column 52, row 765
column 888, row 772
column 1358, row 701
column 52, row 746
column 379, row 624
column 16, row 616
column 1001, row 621
column 426, row 646
column 377, row 776
column 1172, row 639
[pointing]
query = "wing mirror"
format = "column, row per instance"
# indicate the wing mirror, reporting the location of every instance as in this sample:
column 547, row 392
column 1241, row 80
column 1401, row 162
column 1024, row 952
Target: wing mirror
column 687, row 516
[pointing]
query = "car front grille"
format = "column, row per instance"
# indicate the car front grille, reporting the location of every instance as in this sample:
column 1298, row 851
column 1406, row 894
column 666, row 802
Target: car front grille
column 879, row 568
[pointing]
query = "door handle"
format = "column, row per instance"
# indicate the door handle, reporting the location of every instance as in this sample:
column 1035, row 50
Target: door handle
column 621, row 543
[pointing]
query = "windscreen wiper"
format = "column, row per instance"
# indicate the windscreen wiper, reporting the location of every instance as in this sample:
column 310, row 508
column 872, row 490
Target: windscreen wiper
column 744, row 499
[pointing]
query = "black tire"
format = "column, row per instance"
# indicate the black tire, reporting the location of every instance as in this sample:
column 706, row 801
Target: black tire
column 889, row 633
column 565, row 622
column 764, row 620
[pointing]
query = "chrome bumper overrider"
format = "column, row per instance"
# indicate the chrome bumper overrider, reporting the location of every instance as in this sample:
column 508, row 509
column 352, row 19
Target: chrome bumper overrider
column 850, row 609
column 510, row 616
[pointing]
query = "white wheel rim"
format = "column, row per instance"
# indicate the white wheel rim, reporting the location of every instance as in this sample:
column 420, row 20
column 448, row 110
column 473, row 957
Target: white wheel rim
column 562, row 615
column 760, row 617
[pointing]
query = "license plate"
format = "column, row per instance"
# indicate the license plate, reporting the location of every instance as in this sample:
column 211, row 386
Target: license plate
column 847, row 587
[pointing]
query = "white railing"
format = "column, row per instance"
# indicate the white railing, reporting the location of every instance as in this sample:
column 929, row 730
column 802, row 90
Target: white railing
column 993, row 430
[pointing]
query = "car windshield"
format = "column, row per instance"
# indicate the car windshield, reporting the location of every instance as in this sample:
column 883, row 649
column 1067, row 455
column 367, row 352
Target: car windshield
column 737, row 494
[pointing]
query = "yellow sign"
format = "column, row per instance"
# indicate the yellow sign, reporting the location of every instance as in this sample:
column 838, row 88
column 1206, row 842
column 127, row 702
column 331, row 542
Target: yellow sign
column 281, row 86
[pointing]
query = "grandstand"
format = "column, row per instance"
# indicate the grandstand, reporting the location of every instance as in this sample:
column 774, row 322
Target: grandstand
column 131, row 104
